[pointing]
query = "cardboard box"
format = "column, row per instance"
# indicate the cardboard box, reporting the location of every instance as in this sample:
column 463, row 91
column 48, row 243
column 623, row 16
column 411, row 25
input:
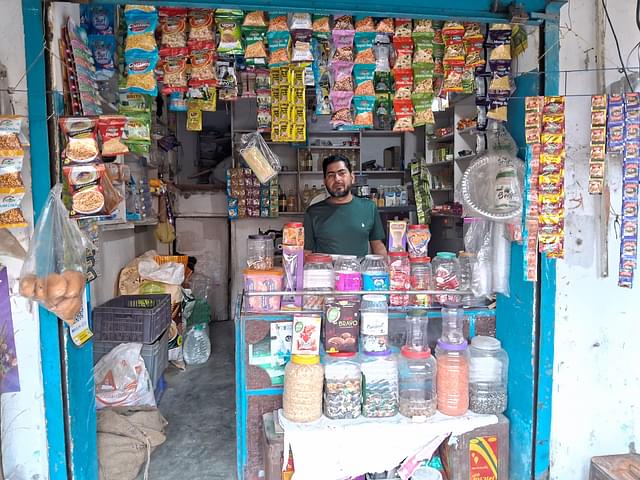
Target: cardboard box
column 615, row 467
column 272, row 445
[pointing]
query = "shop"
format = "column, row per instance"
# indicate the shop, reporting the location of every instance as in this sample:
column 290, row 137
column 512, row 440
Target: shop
column 198, row 134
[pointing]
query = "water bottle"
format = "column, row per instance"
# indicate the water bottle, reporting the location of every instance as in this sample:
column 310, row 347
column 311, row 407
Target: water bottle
column 197, row 346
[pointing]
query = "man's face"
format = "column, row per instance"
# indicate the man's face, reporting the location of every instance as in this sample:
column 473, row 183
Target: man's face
column 338, row 180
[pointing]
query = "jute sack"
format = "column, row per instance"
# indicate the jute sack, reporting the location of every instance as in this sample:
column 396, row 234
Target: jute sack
column 126, row 438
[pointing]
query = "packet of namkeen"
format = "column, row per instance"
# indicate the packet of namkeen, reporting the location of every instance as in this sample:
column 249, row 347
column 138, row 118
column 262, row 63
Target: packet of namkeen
column 255, row 152
column 110, row 128
column 82, row 146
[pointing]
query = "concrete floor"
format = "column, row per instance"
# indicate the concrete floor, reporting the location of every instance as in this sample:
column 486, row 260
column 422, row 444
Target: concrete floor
column 199, row 404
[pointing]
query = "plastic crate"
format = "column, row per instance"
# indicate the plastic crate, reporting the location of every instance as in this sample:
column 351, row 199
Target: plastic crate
column 132, row 318
column 155, row 355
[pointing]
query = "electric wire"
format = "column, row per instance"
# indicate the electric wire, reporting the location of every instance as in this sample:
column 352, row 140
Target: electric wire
column 615, row 37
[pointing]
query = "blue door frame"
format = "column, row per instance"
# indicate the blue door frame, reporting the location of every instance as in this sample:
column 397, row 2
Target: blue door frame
column 525, row 319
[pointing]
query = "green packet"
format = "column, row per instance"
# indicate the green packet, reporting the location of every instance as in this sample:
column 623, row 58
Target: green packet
column 364, row 40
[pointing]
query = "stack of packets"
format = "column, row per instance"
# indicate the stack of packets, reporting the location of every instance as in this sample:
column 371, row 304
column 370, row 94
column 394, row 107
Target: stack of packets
column 462, row 56
column 99, row 23
column 341, row 62
column 421, row 178
column 293, row 264
column 630, row 169
column 247, row 197
column 598, row 143
column 136, row 109
column 403, row 76
column 141, row 49
column 288, row 109
column 320, row 66
column 501, row 85
column 11, row 160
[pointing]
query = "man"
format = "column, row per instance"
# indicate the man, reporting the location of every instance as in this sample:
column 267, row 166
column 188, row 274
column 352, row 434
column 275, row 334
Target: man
column 342, row 224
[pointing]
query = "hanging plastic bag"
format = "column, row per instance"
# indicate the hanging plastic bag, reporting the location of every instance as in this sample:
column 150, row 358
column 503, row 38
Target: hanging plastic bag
column 262, row 161
column 53, row 273
column 477, row 240
column 122, row 379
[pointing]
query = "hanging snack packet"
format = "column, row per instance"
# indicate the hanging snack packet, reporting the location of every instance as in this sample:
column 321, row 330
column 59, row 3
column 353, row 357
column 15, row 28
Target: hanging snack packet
column 278, row 23
column 174, row 75
column 279, row 48
column 365, row 24
column 201, row 24
column 343, row 22
column 103, row 48
column 422, row 106
column 302, row 46
column 230, row 34
column 341, row 107
column 500, row 34
column 403, row 81
column 300, row 21
column 383, row 112
column 141, row 74
column 422, row 79
column 141, row 38
column 383, row 82
column 341, row 76
column 364, row 111
column 10, row 146
column 173, row 27
column 203, row 69
column 321, row 28
column 255, row 49
column 255, row 21
column 227, row 81
column 91, row 190
column 137, row 133
column 402, row 28
column 132, row 10
column 342, row 46
column 423, row 26
column 11, row 164
column 364, row 75
column 364, row 42
column 453, row 33
column 385, row 25
column 111, row 128
column 403, row 111
column 98, row 19
column 82, row 143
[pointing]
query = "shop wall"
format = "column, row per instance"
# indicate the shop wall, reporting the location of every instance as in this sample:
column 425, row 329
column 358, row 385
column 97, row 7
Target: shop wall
column 596, row 382
column 24, row 442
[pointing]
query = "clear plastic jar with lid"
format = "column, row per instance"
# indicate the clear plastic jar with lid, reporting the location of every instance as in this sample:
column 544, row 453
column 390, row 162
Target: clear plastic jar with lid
column 380, row 389
column 452, row 377
column 467, row 263
column 260, row 252
column 342, row 386
column 446, row 273
column 399, row 277
column 488, row 375
column 303, row 382
column 421, row 279
column 347, row 269
column 417, row 383
column 374, row 323
column 318, row 277
column 375, row 274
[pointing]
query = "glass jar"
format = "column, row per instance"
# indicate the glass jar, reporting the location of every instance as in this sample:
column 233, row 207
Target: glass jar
column 303, row 382
column 446, row 272
column 374, row 324
column 421, row 279
column 380, row 384
column 260, row 252
column 418, row 237
column 452, row 325
column 342, row 386
column 348, row 276
column 318, row 277
column 452, row 377
column 488, row 375
column 375, row 274
column 417, row 383
column 399, row 278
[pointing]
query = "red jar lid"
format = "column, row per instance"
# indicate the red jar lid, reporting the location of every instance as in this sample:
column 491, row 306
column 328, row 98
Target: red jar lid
column 418, row 227
column 342, row 354
column 408, row 353
column 398, row 254
column 293, row 225
column 420, row 259
column 318, row 258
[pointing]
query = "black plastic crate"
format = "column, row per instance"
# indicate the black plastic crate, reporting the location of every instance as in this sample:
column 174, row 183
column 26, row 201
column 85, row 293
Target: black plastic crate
column 132, row 318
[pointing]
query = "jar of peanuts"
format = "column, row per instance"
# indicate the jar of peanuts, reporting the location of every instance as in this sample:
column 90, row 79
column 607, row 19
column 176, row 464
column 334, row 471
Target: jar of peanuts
column 303, row 383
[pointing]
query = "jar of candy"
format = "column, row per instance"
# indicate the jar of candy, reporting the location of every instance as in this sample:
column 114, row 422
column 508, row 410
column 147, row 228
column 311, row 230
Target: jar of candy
column 303, row 382
column 380, row 389
column 374, row 324
column 342, row 386
column 418, row 237
column 399, row 277
column 421, row 279
column 318, row 277
column 375, row 274
column 446, row 272
column 260, row 252
column 348, row 276
column 452, row 377
column 488, row 375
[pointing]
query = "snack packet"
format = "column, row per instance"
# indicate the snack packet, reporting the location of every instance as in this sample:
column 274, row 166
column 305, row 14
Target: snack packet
column 140, row 74
column 363, row 106
column 82, row 144
column 201, row 29
column 103, row 48
column 111, row 128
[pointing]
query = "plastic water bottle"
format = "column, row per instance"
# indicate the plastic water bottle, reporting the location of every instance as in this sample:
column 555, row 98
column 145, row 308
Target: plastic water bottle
column 197, row 346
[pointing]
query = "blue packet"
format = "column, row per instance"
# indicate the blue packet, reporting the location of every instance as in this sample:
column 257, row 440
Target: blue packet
column 103, row 48
column 98, row 19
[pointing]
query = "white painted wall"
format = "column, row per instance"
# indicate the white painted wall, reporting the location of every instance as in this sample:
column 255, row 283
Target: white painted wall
column 596, row 391
column 24, row 442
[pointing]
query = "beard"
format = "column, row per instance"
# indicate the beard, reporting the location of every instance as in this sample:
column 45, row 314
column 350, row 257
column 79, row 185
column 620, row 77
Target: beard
column 340, row 191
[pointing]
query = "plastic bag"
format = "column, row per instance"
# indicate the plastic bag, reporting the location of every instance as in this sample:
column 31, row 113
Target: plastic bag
column 53, row 273
column 477, row 240
column 262, row 161
column 170, row 272
column 122, row 379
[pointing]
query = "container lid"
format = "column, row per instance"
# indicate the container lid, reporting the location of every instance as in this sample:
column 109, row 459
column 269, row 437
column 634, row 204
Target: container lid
column 260, row 237
column 374, row 298
column 305, row 359
column 398, row 254
column 420, row 259
column 372, row 256
column 409, row 353
column 342, row 354
column 452, row 346
column 278, row 271
column 447, row 255
column 318, row 258
column 384, row 353
column 293, row 225
column 485, row 343
column 418, row 227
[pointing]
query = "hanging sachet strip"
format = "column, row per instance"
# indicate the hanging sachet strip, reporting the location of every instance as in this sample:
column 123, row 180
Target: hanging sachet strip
column 533, row 130
column 598, row 142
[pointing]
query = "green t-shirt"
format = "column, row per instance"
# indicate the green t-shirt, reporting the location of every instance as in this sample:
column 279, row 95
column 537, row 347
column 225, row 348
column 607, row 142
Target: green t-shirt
column 342, row 229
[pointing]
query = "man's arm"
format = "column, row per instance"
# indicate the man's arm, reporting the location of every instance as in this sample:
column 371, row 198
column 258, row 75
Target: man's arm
column 376, row 236
column 377, row 247
column 309, row 235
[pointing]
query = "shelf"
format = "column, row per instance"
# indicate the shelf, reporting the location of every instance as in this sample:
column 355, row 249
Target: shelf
column 445, row 163
column 379, row 172
column 448, row 215
column 441, row 190
column 466, row 157
column 382, row 133
column 288, row 173
column 401, row 209
column 442, row 139
column 328, row 147
column 113, row 227
column 468, row 131
column 147, row 222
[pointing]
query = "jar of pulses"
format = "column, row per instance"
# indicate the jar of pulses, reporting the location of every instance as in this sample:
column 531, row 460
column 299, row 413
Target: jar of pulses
column 342, row 385
column 452, row 377
column 303, row 382
column 318, row 276
column 399, row 278
column 380, row 390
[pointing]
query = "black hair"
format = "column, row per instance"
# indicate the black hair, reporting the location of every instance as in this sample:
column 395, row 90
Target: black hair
column 333, row 159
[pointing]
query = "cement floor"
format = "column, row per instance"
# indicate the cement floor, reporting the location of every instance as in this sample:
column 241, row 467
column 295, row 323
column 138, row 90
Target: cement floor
column 199, row 404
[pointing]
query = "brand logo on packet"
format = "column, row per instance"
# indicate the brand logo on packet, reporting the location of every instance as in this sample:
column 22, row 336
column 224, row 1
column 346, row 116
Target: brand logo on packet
column 483, row 458
column 139, row 66
column 138, row 27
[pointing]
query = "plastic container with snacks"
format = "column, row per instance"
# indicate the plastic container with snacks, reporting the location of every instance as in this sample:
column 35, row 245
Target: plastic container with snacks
column 347, row 269
column 374, row 324
column 293, row 234
column 375, row 273
column 446, row 272
column 260, row 252
column 342, row 386
column 318, row 277
column 263, row 281
column 421, row 279
column 380, row 389
column 418, row 237
column 452, row 377
column 303, row 382
column 399, row 277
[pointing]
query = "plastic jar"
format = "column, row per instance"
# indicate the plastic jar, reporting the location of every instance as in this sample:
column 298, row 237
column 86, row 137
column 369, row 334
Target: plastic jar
column 446, row 273
column 418, row 237
column 417, row 383
column 488, row 375
column 318, row 277
column 399, row 277
column 303, row 382
column 342, row 386
column 347, row 269
column 452, row 377
column 380, row 389
column 374, row 324
column 260, row 252
column 421, row 279
column 375, row 274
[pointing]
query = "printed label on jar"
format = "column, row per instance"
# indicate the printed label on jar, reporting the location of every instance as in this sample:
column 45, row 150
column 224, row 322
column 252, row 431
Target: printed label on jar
column 348, row 281
column 318, row 279
column 374, row 323
column 375, row 281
